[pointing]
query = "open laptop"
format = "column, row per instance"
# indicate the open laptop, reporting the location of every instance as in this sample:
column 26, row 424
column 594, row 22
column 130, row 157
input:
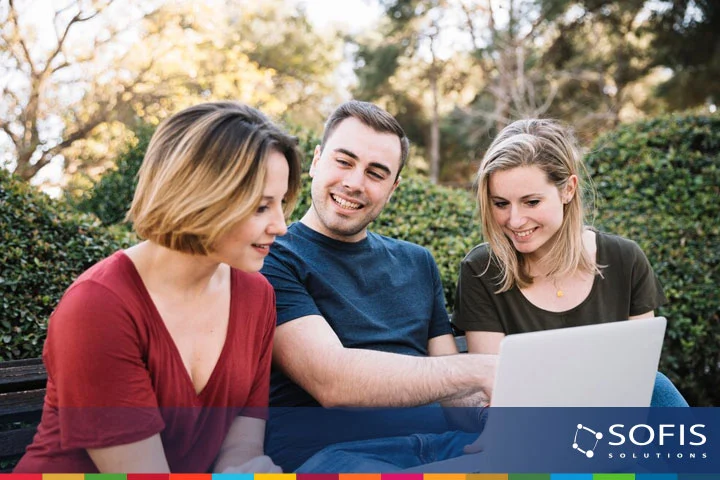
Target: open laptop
column 603, row 365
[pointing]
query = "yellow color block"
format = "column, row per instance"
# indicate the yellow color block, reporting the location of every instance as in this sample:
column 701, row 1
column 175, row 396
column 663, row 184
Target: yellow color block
column 63, row 476
column 487, row 476
column 274, row 476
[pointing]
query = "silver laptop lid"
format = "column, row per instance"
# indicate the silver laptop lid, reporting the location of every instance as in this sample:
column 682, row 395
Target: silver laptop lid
column 604, row 365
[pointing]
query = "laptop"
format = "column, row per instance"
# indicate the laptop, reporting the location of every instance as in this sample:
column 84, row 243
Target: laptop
column 581, row 366
column 603, row 365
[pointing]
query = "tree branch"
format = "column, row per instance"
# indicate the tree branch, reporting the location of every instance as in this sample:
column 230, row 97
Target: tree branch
column 14, row 19
column 62, row 37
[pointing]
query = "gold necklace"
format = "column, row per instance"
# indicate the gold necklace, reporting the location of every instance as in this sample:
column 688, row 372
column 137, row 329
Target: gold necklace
column 558, row 291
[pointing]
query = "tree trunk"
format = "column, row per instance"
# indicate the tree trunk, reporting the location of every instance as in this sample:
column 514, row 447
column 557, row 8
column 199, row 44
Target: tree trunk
column 434, row 132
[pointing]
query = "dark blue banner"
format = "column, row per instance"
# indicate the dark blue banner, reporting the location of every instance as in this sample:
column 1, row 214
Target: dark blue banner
column 518, row 440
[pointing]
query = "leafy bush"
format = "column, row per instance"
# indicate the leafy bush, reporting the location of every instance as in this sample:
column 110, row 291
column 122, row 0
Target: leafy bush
column 44, row 247
column 658, row 183
column 111, row 196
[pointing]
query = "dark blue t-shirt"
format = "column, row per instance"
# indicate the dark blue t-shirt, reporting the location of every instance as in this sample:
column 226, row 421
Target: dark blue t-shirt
column 377, row 294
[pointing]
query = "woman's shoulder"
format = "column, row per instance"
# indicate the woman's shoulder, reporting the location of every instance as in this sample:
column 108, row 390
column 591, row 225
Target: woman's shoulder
column 251, row 282
column 480, row 261
column 616, row 245
column 479, row 253
column 109, row 276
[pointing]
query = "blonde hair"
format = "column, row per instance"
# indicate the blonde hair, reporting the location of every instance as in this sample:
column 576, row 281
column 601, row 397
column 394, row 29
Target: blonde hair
column 550, row 146
column 204, row 171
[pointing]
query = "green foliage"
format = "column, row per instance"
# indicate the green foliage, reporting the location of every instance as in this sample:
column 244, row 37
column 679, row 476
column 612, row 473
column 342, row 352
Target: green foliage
column 110, row 198
column 44, row 247
column 659, row 183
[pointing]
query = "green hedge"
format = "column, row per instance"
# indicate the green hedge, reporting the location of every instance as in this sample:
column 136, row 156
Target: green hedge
column 111, row 196
column 659, row 184
column 44, row 247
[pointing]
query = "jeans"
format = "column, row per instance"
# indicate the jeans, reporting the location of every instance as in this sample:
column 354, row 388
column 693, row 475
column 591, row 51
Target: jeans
column 388, row 454
column 398, row 453
column 665, row 394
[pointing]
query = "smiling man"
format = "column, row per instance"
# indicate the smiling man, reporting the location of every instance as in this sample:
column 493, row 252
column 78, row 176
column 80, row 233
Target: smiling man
column 362, row 319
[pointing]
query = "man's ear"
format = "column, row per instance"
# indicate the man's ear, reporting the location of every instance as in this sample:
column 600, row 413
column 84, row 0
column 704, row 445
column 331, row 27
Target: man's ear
column 395, row 185
column 316, row 158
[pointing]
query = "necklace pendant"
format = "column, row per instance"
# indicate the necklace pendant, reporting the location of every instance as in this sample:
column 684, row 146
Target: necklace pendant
column 560, row 293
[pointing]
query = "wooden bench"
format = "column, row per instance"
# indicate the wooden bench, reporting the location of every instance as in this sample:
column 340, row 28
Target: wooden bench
column 22, row 391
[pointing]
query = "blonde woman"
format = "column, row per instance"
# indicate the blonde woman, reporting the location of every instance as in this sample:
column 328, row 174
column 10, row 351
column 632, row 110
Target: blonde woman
column 542, row 267
column 158, row 357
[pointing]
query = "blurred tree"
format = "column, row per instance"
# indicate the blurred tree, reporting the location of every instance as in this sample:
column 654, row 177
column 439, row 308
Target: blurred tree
column 609, row 48
column 79, row 98
column 481, row 70
column 687, row 40
column 603, row 51
column 407, row 67
column 59, row 85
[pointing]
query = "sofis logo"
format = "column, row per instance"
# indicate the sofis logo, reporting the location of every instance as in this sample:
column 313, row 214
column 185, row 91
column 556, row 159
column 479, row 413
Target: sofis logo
column 663, row 434
column 643, row 441
column 588, row 452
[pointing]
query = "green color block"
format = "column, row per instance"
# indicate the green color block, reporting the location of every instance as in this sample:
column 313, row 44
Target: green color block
column 105, row 476
column 529, row 476
column 614, row 476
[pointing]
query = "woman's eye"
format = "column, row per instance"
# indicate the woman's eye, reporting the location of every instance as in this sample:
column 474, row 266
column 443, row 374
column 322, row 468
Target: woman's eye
column 500, row 204
column 262, row 209
column 533, row 203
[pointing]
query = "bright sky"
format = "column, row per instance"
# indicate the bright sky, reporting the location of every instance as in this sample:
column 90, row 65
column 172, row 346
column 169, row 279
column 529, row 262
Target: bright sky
column 355, row 15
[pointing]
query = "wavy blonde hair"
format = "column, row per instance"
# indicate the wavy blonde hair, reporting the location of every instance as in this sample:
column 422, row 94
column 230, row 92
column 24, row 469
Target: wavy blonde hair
column 204, row 171
column 550, row 146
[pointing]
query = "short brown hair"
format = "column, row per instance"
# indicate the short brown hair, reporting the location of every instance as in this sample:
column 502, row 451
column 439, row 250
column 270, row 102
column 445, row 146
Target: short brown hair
column 372, row 116
column 204, row 171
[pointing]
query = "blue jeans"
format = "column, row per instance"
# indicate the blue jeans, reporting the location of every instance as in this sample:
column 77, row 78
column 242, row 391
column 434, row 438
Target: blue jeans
column 398, row 453
column 388, row 454
column 665, row 394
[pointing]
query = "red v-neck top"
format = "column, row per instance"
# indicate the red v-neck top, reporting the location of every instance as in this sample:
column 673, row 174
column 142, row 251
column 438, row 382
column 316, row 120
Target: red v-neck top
column 115, row 375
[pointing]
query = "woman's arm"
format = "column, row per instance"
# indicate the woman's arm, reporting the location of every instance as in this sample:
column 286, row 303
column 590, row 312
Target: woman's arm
column 484, row 342
column 144, row 456
column 242, row 450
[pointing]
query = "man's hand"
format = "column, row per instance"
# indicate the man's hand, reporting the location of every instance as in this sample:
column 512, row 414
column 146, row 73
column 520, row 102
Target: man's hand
column 262, row 464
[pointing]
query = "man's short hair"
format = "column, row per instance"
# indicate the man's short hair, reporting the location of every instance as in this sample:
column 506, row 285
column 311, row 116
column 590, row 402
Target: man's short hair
column 204, row 171
column 372, row 116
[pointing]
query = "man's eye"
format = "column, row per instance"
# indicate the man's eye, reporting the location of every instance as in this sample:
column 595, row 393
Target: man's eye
column 342, row 162
column 533, row 203
column 376, row 175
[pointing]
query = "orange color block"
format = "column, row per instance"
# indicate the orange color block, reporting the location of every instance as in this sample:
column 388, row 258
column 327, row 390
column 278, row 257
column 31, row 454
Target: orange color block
column 445, row 476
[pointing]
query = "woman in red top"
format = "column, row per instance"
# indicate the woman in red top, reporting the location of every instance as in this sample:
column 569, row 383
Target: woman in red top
column 158, row 357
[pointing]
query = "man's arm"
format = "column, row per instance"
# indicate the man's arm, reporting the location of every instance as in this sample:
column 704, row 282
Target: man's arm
column 442, row 345
column 311, row 354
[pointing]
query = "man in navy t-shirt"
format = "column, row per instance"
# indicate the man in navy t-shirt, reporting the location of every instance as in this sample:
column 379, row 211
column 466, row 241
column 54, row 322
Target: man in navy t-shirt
column 362, row 320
